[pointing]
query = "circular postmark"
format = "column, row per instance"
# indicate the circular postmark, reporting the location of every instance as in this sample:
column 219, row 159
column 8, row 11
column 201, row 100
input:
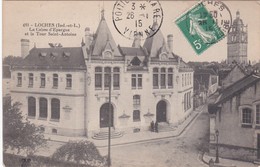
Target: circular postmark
column 209, row 21
column 220, row 13
column 143, row 18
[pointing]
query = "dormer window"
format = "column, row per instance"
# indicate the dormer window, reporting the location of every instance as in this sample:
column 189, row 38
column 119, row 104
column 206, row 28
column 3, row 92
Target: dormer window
column 42, row 54
column 53, row 55
column 66, row 55
column 107, row 54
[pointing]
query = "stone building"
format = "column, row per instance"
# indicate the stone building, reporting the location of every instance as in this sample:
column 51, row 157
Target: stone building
column 237, row 42
column 236, row 115
column 65, row 89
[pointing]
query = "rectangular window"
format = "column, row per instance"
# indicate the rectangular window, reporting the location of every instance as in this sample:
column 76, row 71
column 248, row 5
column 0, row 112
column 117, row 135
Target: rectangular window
column 116, row 78
column 247, row 116
column 55, row 80
column 170, row 80
column 140, row 81
column 30, row 80
column 98, row 77
column 136, row 116
column 258, row 114
column 42, row 80
column 163, row 81
column 68, row 80
column 19, row 79
column 155, row 78
column 134, row 80
column 182, row 80
column 107, row 77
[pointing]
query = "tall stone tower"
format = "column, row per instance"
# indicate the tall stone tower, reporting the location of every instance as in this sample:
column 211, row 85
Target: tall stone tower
column 237, row 41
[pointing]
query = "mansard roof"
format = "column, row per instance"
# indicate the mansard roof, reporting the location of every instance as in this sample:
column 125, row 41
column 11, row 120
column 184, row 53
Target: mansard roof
column 54, row 58
column 103, row 39
column 237, row 87
column 153, row 44
column 131, row 51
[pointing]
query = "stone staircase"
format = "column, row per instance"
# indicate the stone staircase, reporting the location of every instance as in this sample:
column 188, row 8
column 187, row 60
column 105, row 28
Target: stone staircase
column 166, row 127
column 103, row 134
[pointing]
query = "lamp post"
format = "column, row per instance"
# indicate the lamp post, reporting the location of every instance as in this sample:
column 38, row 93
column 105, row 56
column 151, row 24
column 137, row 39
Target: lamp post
column 217, row 158
column 109, row 121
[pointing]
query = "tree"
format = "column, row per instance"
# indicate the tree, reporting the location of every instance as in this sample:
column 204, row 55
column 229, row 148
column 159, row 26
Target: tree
column 18, row 133
column 80, row 152
column 12, row 60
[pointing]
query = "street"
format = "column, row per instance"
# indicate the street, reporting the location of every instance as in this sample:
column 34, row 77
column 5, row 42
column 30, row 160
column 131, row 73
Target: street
column 180, row 151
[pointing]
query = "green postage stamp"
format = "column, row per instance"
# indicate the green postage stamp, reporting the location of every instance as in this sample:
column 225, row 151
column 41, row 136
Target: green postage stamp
column 205, row 24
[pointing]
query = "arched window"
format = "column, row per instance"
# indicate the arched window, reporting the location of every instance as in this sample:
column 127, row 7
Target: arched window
column 163, row 78
column 42, row 80
column 31, row 107
column 107, row 77
column 170, row 77
column 55, row 109
column 98, row 77
column 136, row 116
column 68, row 81
column 155, row 78
column 116, row 78
column 136, row 100
column 55, row 80
column 19, row 79
column 30, row 79
column 43, row 108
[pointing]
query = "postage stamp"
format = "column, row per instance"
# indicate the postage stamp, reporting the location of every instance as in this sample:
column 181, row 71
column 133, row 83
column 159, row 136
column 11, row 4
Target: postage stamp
column 205, row 24
column 137, row 17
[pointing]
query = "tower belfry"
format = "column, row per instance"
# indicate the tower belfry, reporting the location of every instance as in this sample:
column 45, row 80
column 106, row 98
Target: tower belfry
column 237, row 42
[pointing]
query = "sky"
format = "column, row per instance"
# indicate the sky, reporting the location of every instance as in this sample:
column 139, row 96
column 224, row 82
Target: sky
column 87, row 14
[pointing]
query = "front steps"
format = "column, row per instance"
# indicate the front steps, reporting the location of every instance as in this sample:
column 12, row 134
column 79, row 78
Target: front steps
column 166, row 127
column 103, row 134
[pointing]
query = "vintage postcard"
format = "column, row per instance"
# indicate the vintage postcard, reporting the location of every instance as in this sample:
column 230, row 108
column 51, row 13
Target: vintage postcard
column 131, row 83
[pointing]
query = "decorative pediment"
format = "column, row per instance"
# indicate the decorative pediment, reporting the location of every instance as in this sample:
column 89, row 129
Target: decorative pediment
column 163, row 56
column 107, row 54
column 135, row 61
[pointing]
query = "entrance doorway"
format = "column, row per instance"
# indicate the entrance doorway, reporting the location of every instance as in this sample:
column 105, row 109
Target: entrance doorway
column 104, row 115
column 161, row 110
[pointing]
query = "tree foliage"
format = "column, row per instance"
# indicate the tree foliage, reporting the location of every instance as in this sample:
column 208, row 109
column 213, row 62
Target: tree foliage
column 18, row 133
column 12, row 60
column 80, row 152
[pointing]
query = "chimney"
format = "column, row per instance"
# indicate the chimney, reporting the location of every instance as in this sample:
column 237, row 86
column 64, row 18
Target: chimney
column 88, row 37
column 25, row 45
column 137, row 41
column 170, row 42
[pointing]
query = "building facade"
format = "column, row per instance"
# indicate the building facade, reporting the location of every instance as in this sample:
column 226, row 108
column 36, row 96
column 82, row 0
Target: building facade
column 67, row 89
column 237, row 42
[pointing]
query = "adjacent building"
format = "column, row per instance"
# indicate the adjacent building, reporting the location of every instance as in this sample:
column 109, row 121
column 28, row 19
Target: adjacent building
column 66, row 89
column 236, row 115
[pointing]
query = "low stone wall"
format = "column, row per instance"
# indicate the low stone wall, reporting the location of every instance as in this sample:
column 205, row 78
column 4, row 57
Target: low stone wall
column 234, row 152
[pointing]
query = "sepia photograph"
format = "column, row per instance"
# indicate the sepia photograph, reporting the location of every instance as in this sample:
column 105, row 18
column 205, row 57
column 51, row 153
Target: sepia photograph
column 131, row 83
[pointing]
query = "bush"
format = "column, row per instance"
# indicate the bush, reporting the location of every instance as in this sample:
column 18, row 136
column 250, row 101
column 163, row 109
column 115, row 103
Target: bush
column 80, row 152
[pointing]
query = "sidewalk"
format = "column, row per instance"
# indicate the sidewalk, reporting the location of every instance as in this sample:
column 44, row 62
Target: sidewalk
column 227, row 162
column 134, row 137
